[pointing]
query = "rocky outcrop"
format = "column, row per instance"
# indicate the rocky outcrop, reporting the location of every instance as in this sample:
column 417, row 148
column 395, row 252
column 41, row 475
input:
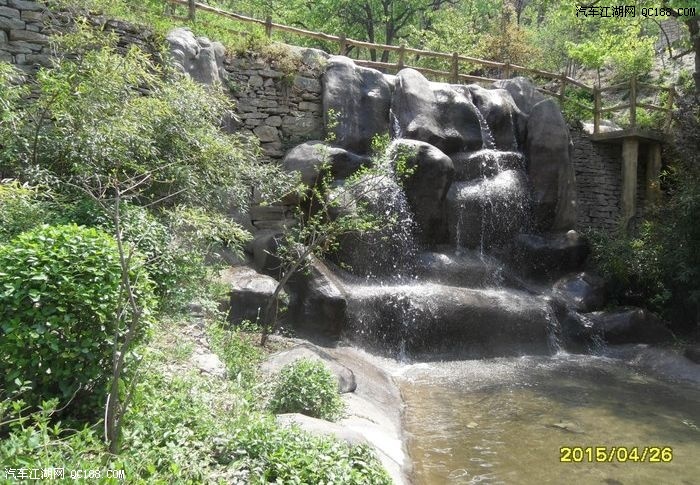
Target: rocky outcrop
column 249, row 293
column 431, row 174
column 200, row 58
column 485, row 163
column 436, row 113
column 344, row 375
column 549, row 255
column 583, row 292
column 430, row 320
column 358, row 100
column 629, row 325
column 551, row 173
column 505, row 120
column 488, row 211
column 308, row 158
column 524, row 94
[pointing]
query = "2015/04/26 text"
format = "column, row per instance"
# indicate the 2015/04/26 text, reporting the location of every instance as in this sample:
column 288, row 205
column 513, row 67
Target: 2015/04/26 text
column 618, row 454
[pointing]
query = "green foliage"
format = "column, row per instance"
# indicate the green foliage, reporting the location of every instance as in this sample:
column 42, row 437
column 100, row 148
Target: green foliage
column 237, row 349
column 571, row 109
column 59, row 305
column 659, row 266
column 307, row 387
column 22, row 207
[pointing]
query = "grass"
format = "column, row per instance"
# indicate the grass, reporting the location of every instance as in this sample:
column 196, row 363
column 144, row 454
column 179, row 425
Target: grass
column 185, row 426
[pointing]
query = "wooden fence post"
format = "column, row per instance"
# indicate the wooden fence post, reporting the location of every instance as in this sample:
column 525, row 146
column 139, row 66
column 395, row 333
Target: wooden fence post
column 633, row 102
column 596, row 109
column 669, row 105
column 342, row 45
column 402, row 55
column 562, row 87
column 192, row 10
column 506, row 70
column 268, row 26
column 454, row 74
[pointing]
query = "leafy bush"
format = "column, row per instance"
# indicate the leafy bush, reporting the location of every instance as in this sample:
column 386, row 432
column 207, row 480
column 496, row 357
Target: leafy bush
column 307, row 387
column 60, row 294
column 20, row 209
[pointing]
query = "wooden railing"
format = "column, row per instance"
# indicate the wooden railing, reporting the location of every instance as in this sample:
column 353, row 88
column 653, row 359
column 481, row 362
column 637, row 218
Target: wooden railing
column 456, row 60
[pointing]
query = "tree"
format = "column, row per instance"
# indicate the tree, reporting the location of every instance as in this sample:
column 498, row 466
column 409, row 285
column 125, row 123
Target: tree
column 121, row 130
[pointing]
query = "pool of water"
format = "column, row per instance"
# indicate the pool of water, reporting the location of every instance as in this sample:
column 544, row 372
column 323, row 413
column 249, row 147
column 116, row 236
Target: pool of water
column 504, row 421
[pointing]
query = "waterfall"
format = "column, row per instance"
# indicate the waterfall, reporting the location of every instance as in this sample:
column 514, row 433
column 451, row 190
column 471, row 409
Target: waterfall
column 486, row 135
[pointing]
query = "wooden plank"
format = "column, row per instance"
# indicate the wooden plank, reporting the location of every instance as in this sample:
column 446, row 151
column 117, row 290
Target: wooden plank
column 652, row 106
column 614, row 87
column 617, row 107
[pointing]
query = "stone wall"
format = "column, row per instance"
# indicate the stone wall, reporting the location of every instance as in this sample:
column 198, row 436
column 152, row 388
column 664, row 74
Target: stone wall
column 598, row 169
column 25, row 27
column 281, row 109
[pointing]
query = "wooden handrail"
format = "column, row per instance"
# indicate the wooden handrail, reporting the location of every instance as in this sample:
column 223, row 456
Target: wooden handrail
column 454, row 60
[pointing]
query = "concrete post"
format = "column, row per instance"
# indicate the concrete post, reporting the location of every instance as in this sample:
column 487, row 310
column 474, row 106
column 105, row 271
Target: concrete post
column 630, row 151
column 653, row 189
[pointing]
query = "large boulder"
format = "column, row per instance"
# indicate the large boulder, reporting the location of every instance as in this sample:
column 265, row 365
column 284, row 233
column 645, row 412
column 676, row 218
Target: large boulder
column 505, row 120
column 307, row 351
column 550, row 169
column 198, row 57
column 524, row 94
column 359, row 98
column 485, row 163
column 308, row 158
column 318, row 299
column 584, row 292
column 488, row 211
column 436, row 113
column 427, row 185
column 629, row 325
column 426, row 320
column 465, row 268
column 549, row 255
column 249, row 293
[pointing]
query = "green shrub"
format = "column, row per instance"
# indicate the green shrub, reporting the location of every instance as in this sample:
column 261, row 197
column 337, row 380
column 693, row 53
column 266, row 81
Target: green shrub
column 20, row 209
column 59, row 309
column 307, row 387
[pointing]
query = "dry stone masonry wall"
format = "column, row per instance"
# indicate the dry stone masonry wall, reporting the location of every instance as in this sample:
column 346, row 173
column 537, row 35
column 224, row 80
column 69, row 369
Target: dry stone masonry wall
column 282, row 109
column 23, row 40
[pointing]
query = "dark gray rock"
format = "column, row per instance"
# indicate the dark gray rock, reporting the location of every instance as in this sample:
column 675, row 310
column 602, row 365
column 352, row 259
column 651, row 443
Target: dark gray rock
column 467, row 269
column 319, row 301
column 249, row 292
column 489, row 211
column 524, row 93
column 427, row 186
column 549, row 255
column 584, row 292
column 200, row 58
column 550, row 168
column 505, row 120
column 436, row 113
column 692, row 352
column 360, row 99
column 485, row 163
column 264, row 251
column 431, row 319
column 629, row 325
column 344, row 375
column 308, row 158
